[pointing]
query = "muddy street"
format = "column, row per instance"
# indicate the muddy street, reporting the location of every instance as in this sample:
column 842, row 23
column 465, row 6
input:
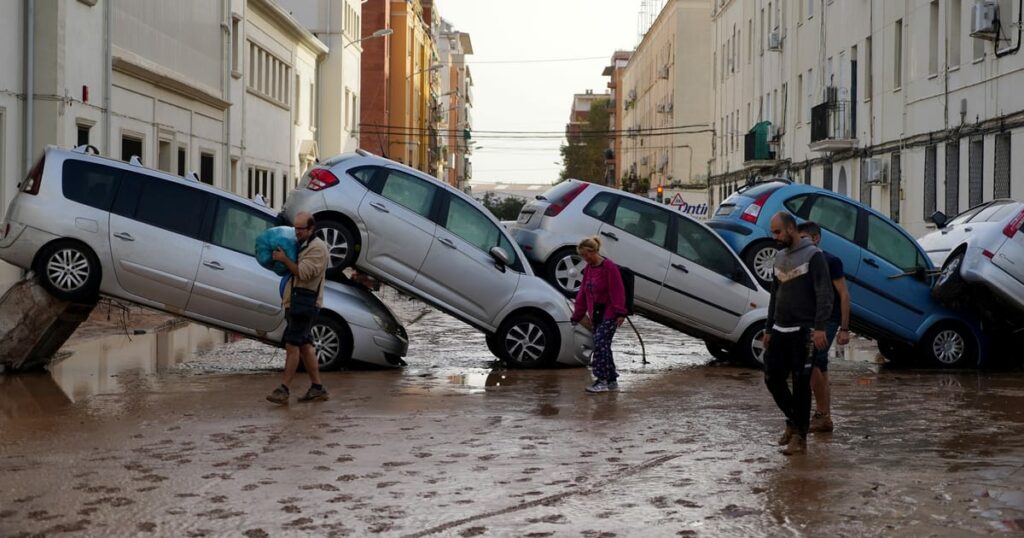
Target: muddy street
column 168, row 434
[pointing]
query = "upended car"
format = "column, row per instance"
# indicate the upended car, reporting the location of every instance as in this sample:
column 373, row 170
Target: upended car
column 90, row 225
column 981, row 247
column 436, row 243
column 686, row 277
column 888, row 273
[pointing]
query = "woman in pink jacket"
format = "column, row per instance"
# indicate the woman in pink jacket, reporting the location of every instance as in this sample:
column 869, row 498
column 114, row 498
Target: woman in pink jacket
column 602, row 298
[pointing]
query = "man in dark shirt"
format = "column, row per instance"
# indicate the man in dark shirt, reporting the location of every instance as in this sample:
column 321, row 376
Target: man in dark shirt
column 837, row 328
column 801, row 303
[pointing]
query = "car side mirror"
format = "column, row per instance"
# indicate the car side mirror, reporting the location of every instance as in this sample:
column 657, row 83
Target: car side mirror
column 939, row 218
column 500, row 257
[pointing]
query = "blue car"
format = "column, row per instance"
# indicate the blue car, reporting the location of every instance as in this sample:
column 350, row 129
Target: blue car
column 889, row 275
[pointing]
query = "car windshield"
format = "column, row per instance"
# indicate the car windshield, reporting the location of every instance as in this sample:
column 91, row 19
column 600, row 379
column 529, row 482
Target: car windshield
column 556, row 193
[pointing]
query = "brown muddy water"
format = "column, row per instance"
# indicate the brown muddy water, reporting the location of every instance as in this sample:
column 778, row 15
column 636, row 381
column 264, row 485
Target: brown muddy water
column 169, row 435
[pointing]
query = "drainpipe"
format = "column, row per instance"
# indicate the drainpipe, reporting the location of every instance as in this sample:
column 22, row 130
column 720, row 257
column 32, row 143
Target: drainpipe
column 30, row 42
column 1020, row 19
column 108, row 75
column 226, row 57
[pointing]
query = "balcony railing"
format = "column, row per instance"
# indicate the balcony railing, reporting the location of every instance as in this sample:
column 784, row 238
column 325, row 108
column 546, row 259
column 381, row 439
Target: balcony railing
column 832, row 126
column 756, row 147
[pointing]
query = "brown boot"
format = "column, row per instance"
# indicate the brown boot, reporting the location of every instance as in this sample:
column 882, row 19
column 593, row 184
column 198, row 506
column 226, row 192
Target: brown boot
column 787, row 434
column 821, row 423
column 797, row 445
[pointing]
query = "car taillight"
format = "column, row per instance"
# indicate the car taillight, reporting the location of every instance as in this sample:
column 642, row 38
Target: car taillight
column 753, row 210
column 320, row 179
column 7, row 230
column 988, row 254
column 1011, row 229
column 35, row 178
column 557, row 206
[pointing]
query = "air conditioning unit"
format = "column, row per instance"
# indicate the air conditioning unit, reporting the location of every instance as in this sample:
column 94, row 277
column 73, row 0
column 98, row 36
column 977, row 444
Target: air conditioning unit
column 876, row 172
column 775, row 41
column 663, row 72
column 984, row 19
column 660, row 108
column 632, row 94
column 668, row 107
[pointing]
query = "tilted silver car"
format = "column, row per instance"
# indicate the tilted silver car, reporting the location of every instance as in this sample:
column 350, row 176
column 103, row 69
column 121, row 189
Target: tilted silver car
column 981, row 246
column 687, row 277
column 436, row 243
column 89, row 225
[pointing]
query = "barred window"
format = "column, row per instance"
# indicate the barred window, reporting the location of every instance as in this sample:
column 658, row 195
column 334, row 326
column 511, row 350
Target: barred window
column 952, row 177
column 976, row 170
column 895, row 187
column 930, row 204
column 1001, row 183
column 269, row 76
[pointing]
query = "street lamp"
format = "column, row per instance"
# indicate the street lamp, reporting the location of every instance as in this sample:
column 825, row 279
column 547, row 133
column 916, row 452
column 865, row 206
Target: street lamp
column 434, row 67
column 379, row 33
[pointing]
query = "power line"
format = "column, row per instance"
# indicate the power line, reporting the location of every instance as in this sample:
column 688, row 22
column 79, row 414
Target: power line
column 459, row 131
column 537, row 61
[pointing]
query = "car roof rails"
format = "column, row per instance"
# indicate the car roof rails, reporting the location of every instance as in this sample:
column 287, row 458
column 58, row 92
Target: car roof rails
column 135, row 161
column 192, row 176
column 86, row 149
column 365, row 153
column 259, row 199
column 756, row 182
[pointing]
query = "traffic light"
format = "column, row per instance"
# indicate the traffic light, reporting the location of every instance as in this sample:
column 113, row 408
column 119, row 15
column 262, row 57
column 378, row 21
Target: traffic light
column 661, row 193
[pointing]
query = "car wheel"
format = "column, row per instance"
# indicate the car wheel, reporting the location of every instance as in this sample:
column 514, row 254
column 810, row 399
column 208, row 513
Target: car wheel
column 332, row 342
column 895, row 352
column 760, row 258
column 492, row 344
column 341, row 245
column 564, row 270
column 717, row 351
column 950, row 285
column 69, row 271
column 949, row 345
column 750, row 348
column 527, row 341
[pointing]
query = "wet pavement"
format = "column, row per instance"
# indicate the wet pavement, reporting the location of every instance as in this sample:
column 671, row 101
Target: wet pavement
column 168, row 434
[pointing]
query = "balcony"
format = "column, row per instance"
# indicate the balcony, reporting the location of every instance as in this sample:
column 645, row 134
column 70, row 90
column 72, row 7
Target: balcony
column 833, row 126
column 757, row 146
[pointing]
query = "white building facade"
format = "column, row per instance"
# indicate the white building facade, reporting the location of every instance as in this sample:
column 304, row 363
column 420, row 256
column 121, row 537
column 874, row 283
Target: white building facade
column 893, row 103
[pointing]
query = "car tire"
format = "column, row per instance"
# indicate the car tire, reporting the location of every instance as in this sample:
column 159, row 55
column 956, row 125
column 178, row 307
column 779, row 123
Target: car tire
column 750, row 347
column 717, row 351
column 527, row 341
column 949, row 285
column 70, row 271
column 895, row 352
column 492, row 344
column 949, row 345
column 564, row 271
column 760, row 258
column 332, row 342
column 341, row 245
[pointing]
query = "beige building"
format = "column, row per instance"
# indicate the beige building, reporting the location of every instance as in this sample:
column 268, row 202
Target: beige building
column 221, row 89
column 454, row 105
column 909, row 106
column 666, row 107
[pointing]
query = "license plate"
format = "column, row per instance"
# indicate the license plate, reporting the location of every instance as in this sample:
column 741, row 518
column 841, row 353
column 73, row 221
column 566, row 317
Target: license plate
column 524, row 217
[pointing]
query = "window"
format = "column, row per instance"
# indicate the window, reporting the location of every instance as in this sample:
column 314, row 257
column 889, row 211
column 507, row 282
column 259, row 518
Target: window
column 696, row 244
column 297, row 97
column 236, row 46
column 131, row 146
column 955, row 11
column 763, row 35
column 269, row 76
column 83, row 134
column 869, row 70
column 181, row 161
column 642, row 220
column 260, row 182
column 175, row 208
column 796, row 204
column 236, row 227
column 599, row 206
column 750, row 40
column 933, row 38
column 953, row 177
column 475, row 228
column 364, row 175
column 895, row 186
column 1001, row 180
column 206, row 168
column 809, row 81
column 835, row 216
column 897, row 58
column 91, row 184
column 886, row 241
column 411, row 192
column 164, row 155
column 930, row 203
column 800, row 98
column 312, row 106
column 975, row 171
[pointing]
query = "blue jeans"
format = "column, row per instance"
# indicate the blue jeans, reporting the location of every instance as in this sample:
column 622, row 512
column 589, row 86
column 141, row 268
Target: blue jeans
column 820, row 358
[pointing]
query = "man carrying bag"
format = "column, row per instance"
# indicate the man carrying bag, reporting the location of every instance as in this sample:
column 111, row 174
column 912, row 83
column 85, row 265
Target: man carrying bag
column 302, row 299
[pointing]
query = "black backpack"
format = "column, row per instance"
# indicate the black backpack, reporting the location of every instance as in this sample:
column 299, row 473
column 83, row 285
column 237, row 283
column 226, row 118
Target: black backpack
column 627, row 284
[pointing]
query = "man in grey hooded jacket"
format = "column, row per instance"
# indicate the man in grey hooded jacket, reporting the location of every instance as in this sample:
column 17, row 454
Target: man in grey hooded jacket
column 801, row 303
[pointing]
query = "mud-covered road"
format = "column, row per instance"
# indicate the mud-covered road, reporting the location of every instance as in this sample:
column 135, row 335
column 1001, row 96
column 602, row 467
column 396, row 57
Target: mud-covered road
column 169, row 435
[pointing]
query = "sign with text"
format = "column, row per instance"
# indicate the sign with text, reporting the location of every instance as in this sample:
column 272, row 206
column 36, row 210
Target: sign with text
column 692, row 203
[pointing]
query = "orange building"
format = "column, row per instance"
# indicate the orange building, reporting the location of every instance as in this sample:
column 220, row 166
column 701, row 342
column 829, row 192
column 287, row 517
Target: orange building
column 413, row 82
column 614, row 71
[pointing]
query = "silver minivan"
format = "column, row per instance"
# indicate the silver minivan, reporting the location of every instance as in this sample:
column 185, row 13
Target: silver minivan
column 686, row 277
column 89, row 225
column 436, row 243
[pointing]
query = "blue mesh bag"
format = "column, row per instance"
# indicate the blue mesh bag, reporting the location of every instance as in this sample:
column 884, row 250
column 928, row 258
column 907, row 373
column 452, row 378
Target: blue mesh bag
column 269, row 241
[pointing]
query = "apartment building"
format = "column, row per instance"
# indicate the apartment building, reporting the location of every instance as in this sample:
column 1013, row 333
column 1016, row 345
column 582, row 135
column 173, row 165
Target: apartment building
column 907, row 106
column 454, row 105
column 614, row 71
column 666, row 110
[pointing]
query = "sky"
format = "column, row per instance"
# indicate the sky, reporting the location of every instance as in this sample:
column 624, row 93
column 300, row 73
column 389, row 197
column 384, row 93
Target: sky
column 516, row 89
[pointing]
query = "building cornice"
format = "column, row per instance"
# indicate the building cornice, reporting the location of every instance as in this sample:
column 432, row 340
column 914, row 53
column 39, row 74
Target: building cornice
column 131, row 64
column 276, row 13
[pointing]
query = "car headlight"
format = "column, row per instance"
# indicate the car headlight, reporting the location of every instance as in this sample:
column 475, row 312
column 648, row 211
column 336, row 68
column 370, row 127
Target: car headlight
column 385, row 324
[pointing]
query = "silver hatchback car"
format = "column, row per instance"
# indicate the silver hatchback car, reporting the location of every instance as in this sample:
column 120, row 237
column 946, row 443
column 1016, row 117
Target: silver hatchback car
column 436, row 243
column 687, row 277
column 89, row 225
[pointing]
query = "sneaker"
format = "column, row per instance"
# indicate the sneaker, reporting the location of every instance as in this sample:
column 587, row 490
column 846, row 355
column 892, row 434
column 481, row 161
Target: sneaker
column 279, row 396
column 598, row 386
column 787, row 434
column 315, row 395
column 613, row 385
column 797, row 445
column 821, row 423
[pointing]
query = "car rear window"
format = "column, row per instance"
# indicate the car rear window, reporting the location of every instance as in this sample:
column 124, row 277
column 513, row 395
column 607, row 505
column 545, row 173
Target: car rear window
column 91, row 184
column 758, row 190
column 556, row 193
column 997, row 212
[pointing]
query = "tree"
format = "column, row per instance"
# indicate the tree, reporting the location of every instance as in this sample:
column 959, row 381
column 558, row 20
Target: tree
column 503, row 208
column 585, row 159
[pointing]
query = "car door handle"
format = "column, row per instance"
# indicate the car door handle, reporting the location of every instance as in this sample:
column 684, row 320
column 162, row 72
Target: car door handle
column 681, row 267
column 214, row 265
column 871, row 262
column 610, row 235
column 379, row 207
column 446, row 242
column 124, row 236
